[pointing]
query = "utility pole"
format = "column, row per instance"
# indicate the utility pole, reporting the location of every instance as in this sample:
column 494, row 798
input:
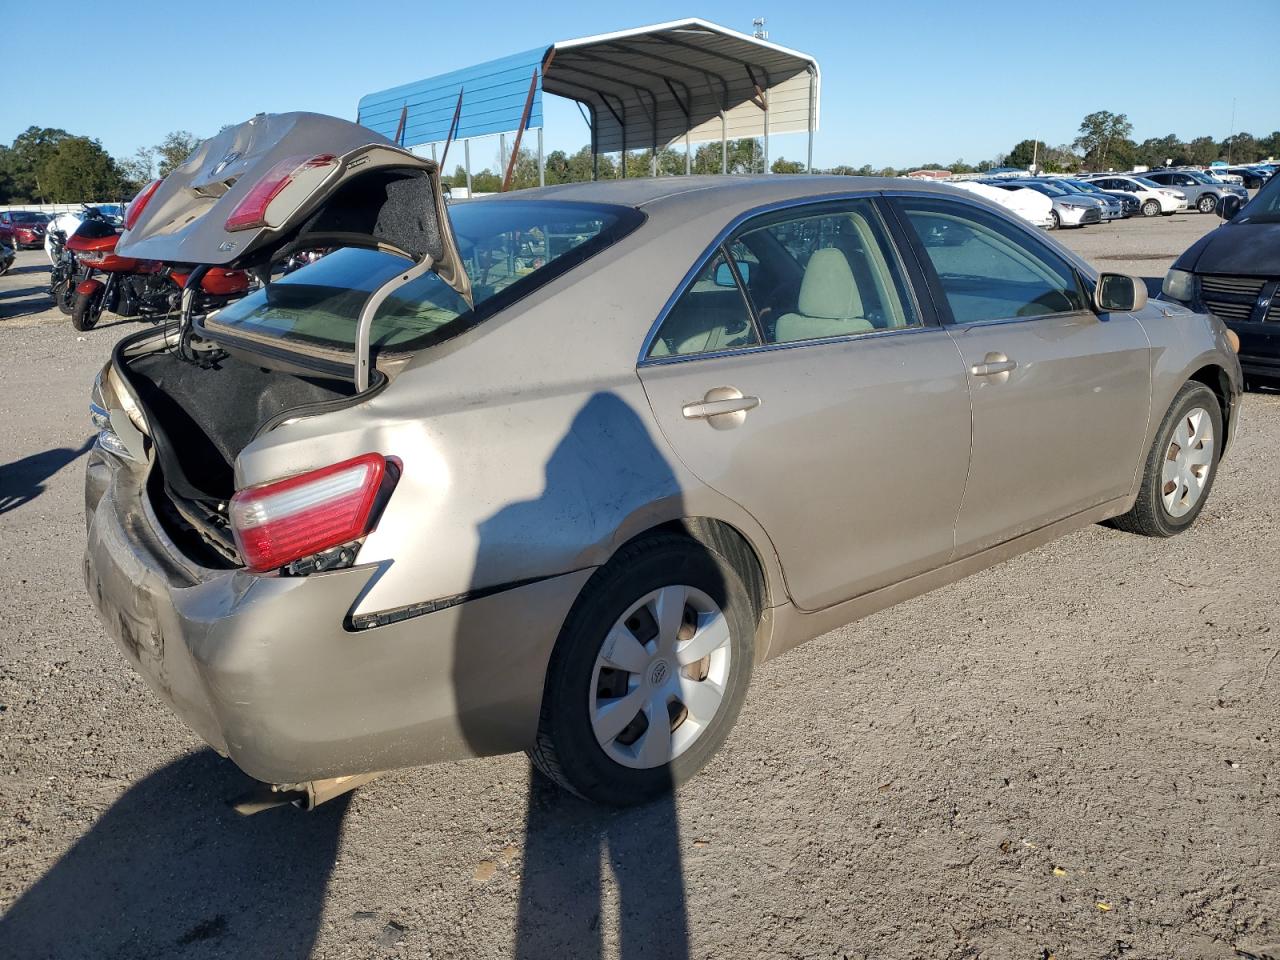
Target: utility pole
column 1035, row 156
column 1231, row 136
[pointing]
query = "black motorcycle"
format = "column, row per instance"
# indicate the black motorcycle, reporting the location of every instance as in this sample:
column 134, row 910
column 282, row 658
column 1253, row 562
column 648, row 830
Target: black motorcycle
column 66, row 269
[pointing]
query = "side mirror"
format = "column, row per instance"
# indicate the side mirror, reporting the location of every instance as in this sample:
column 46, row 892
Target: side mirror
column 1119, row 293
column 724, row 276
column 1228, row 206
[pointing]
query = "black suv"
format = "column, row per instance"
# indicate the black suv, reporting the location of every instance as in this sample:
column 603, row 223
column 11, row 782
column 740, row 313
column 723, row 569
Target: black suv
column 1234, row 272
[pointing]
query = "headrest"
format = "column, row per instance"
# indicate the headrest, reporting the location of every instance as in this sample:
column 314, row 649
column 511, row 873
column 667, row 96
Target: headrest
column 828, row 289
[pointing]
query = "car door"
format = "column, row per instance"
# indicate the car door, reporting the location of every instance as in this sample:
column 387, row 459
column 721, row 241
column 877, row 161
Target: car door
column 823, row 399
column 1061, row 395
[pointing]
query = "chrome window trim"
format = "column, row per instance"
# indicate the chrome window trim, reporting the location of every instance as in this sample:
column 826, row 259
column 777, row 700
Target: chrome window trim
column 791, row 344
column 722, row 237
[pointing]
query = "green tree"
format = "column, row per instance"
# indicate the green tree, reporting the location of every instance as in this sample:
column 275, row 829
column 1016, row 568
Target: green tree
column 175, row 148
column 1154, row 151
column 1023, row 154
column 1101, row 136
column 140, row 169
column 1241, row 148
column 1202, row 150
column 783, row 165
column 30, row 151
column 81, row 170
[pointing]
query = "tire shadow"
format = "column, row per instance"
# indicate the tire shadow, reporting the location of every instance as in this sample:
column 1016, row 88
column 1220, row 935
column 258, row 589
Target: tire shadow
column 170, row 870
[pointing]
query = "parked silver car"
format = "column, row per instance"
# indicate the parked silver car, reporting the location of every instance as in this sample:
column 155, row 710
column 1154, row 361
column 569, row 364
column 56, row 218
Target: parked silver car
column 1202, row 191
column 553, row 471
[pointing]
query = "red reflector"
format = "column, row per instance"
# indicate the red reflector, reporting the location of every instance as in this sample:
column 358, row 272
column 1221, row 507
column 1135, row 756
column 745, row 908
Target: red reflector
column 276, row 523
column 138, row 203
column 251, row 212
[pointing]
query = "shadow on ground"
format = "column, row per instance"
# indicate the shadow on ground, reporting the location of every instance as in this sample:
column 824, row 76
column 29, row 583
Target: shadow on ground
column 171, row 870
column 23, row 480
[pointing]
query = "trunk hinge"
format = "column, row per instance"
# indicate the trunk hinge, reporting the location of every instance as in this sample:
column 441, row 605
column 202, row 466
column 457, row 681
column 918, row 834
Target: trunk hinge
column 364, row 329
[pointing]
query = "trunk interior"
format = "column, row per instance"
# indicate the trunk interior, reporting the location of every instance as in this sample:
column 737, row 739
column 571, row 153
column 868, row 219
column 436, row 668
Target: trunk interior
column 201, row 417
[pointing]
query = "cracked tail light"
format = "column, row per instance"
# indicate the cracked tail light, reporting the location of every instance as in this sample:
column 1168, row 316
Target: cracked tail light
column 139, row 203
column 277, row 523
column 251, row 212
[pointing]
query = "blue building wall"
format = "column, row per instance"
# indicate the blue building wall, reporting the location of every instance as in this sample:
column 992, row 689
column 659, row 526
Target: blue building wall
column 493, row 98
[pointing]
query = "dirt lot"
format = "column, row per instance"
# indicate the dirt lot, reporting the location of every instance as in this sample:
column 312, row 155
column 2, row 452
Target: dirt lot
column 1072, row 755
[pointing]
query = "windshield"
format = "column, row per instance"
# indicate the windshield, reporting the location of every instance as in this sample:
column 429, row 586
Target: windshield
column 1079, row 186
column 509, row 248
column 1199, row 177
column 1264, row 207
column 1149, row 184
column 1047, row 190
column 26, row 216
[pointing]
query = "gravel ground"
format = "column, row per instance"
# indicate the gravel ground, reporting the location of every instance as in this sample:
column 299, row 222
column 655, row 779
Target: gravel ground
column 1071, row 755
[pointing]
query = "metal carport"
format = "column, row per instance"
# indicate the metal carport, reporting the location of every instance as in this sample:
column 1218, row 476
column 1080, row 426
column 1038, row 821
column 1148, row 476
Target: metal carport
column 648, row 88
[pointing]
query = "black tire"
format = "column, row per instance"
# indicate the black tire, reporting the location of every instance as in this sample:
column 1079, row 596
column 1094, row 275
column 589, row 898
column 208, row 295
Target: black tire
column 1149, row 516
column 4, row 266
column 1151, row 208
column 1055, row 221
column 86, row 310
column 63, row 294
column 566, row 750
column 1207, row 203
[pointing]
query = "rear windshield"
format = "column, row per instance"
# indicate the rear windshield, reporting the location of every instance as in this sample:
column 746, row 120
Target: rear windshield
column 509, row 249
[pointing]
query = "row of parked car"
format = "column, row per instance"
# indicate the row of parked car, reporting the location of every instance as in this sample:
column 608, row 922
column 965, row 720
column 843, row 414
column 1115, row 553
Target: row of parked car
column 1062, row 201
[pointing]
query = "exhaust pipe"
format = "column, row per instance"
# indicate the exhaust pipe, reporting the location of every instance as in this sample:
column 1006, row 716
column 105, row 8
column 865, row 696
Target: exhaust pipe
column 304, row 796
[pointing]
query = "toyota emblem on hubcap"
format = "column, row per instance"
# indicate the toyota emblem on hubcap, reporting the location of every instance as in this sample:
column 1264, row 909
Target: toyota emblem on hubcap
column 658, row 673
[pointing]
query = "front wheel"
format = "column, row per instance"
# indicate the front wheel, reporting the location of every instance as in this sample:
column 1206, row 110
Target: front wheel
column 86, row 310
column 648, row 674
column 1151, row 208
column 1055, row 221
column 1207, row 203
column 64, row 295
column 1180, row 466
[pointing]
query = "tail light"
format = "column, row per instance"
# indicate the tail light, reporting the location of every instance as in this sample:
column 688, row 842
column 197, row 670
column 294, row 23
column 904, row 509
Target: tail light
column 251, row 212
column 138, row 203
column 277, row 523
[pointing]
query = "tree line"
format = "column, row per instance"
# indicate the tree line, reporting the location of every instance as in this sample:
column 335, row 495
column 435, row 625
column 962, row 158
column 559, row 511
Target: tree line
column 50, row 165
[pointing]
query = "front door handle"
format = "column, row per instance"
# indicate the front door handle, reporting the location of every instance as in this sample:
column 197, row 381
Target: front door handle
column 995, row 365
column 722, row 407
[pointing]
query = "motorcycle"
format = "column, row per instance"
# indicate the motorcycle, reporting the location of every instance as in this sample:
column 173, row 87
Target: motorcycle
column 7, row 254
column 138, row 288
column 65, row 267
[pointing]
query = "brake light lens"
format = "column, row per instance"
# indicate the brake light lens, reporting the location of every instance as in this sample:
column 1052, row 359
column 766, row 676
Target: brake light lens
column 251, row 212
column 277, row 523
column 139, row 203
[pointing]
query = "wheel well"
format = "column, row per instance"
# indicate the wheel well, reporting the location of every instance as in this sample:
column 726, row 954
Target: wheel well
column 728, row 542
column 1216, row 379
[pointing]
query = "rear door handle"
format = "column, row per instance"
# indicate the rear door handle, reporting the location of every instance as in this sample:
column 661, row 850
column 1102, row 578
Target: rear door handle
column 994, row 365
column 722, row 407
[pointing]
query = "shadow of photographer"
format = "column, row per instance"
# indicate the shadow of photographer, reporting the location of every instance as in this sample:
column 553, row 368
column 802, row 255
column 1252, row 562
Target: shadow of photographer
column 170, row 869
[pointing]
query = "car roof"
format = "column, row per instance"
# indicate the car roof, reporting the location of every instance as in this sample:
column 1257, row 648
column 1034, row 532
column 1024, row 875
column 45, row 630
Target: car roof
column 695, row 194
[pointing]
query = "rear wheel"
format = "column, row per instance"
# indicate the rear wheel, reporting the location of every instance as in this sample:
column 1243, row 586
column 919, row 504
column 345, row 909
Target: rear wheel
column 86, row 310
column 648, row 674
column 1180, row 467
column 1207, row 203
column 1151, row 208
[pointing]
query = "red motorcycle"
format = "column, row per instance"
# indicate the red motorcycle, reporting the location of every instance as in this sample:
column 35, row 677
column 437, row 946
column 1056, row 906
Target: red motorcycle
column 139, row 288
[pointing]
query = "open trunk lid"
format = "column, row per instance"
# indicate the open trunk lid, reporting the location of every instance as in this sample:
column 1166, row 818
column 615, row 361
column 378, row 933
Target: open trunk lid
column 290, row 181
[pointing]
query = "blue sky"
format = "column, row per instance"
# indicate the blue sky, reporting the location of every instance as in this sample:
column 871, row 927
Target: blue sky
column 903, row 82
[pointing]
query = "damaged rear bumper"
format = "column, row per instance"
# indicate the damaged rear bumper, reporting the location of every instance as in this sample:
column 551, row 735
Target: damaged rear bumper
column 265, row 669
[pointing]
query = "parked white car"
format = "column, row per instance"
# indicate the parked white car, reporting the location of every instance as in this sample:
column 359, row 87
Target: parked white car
column 1031, row 206
column 1155, row 199
column 1223, row 175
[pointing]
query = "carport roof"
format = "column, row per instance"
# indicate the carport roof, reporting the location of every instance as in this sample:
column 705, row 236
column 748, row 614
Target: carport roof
column 652, row 86
column 643, row 88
